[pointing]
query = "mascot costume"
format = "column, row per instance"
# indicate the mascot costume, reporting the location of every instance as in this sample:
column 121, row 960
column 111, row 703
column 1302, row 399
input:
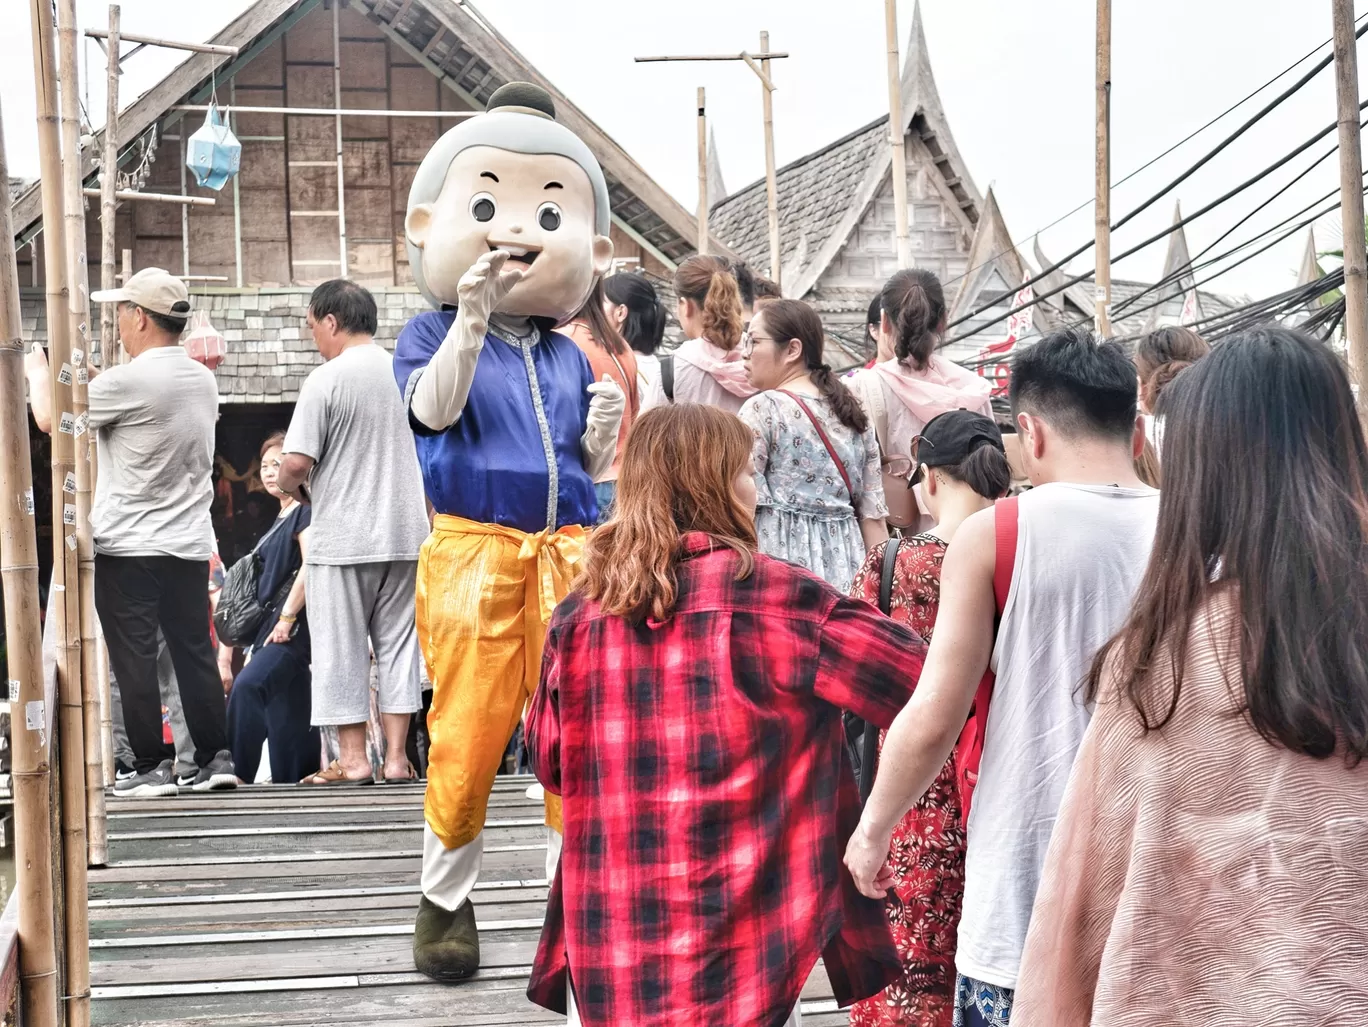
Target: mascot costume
column 507, row 227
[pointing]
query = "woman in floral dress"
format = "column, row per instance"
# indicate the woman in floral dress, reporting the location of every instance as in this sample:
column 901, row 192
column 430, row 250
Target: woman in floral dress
column 821, row 500
column 962, row 468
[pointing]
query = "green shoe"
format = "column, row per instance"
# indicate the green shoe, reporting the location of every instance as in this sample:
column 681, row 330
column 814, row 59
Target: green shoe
column 446, row 946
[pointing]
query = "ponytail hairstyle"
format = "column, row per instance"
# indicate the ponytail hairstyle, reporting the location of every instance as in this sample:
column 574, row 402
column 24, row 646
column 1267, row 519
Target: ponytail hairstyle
column 1161, row 355
column 915, row 304
column 711, row 283
column 645, row 325
column 984, row 470
column 794, row 319
column 593, row 315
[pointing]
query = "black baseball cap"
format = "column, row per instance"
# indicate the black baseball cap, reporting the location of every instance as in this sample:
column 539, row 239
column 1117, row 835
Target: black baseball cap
column 950, row 437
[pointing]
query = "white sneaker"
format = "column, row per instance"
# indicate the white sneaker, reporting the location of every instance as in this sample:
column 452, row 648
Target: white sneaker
column 537, row 792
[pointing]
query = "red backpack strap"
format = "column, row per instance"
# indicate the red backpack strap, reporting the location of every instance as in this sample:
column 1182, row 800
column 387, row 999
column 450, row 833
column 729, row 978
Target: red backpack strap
column 1005, row 532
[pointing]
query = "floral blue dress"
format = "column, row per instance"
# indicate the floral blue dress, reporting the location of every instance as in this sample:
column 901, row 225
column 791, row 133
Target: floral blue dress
column 804, row 513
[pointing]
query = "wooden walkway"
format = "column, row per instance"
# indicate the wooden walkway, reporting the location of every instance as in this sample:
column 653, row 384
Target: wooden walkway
column 274, row 906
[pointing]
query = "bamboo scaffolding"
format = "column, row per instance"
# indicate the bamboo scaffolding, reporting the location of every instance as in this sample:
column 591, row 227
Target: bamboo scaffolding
column 897, row 144
column 109, row 344
column 30, row 770
column 222, row 51
column 702, row 171
column 78, row 307
column 65, row 565
column 337, row 105
column 1351, row 200
column 1102, row 210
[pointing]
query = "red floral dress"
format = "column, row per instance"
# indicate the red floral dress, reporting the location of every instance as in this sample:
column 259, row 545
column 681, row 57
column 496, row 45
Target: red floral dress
column 927, row 855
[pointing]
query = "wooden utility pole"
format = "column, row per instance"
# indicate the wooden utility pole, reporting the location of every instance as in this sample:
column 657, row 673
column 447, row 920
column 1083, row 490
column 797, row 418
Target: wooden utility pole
column 30, row 769
column 92, row 801
column 702, row 171
column 896, row 143
column 109, row 184
column 771, row 181
column 1351, row 200
column 1101, row 279
column 1102, row 216
column 760, row 64
column 66, row 606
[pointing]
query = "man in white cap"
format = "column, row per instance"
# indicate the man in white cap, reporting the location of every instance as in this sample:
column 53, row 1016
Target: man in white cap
column 152, row 530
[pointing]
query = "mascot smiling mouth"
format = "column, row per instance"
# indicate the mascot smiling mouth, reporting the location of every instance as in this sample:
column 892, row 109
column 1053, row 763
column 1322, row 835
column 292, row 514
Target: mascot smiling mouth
column 518, row 254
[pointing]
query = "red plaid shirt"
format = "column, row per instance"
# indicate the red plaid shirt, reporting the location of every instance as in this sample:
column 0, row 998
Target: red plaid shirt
column 708, row 799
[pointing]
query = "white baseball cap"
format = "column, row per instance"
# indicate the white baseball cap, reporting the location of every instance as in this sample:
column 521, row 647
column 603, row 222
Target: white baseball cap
column 152, row 289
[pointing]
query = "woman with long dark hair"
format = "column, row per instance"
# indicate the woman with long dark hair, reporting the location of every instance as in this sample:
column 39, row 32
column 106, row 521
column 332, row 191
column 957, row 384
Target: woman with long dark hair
column 608, row 354
column 714, row 295
column 689, row 713
column 963, row 468
column 821, row 502
column 903, row 393
column 1210, row 860
column 632, row 306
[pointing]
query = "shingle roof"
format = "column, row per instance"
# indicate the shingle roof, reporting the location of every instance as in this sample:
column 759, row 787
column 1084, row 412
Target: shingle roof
column 815, row 191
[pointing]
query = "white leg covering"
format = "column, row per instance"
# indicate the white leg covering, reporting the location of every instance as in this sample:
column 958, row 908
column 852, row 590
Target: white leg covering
column 449, row 875
column 572, row 1019
column 553, row 851
column 796, row 1020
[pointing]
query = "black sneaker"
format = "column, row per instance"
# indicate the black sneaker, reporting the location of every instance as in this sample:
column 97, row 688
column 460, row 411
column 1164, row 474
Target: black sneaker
column 122, row 771
column 219, row 774
column 149, row 785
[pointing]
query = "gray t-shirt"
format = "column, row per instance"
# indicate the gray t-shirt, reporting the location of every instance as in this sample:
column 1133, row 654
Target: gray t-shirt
column 366, row 487
column 154, row 418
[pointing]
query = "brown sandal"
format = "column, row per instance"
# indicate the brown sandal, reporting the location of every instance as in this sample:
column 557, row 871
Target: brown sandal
column 333, row 774
column 412, row 776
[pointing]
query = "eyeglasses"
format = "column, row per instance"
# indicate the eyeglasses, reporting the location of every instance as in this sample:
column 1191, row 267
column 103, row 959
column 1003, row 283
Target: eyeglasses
column 748, row 341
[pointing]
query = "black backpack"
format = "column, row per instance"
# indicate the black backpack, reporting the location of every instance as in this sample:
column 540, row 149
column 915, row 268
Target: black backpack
column 667, row 377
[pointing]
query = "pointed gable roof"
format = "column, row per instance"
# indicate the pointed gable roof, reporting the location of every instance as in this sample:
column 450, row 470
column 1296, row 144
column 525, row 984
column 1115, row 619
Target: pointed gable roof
column 1310, row 269
column 992, row 260
column 823, row 196
column 456, row 44
column 1176, row 281
column 717, row 189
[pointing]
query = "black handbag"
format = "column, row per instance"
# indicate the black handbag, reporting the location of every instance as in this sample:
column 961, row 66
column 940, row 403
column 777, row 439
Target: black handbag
column 862, row 737
column 239, row 614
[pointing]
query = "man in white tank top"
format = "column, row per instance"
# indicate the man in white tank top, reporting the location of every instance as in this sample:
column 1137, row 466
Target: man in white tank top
column 1083, row 542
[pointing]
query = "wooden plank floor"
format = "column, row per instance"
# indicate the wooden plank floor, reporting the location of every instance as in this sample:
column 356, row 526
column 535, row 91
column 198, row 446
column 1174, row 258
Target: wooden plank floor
column 275, row 906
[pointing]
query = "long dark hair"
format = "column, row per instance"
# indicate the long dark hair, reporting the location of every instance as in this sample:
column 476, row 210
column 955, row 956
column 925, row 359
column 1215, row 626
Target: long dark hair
column 794, row 319
column 604, row 331
column 645, row 325
column 1266, row 496
column 1160, row 355
column 915, row 304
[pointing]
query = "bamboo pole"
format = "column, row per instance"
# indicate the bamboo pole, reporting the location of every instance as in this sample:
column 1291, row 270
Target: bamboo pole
column 771, row 182
column 237, row 196
column 130, row 194
column 65, row 564
column 337, row 105
column 1102, row 215
column 897, row 145
column 213, row 48
column 1351, row 201
column 702, row 171
column 30, row 770
column 78, row 307
column 185, row 213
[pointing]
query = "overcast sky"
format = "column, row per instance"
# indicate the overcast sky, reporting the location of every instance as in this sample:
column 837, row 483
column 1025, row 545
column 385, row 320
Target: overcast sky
column 1016, row 81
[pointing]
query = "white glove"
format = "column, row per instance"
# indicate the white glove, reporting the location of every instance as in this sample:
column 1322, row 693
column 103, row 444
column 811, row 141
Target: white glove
column 444, row 385
column 599, row 442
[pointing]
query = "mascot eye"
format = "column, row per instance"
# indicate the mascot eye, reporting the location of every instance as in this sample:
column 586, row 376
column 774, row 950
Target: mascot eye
column 482, row 207
column 549, row 216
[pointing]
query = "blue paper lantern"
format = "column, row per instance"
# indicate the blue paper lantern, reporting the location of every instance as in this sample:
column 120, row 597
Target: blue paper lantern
column 213, row 153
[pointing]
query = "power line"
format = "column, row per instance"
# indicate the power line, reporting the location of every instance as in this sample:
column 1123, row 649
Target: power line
column 1201, row 162
column 1150, row 163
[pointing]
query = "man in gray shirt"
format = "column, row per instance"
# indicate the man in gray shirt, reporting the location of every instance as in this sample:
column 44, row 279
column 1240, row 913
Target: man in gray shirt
column 349, row 451
column 154, row 418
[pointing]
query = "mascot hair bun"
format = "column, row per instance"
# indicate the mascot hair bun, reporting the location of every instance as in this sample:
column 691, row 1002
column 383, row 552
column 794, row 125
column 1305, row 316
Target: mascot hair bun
column 520, row 118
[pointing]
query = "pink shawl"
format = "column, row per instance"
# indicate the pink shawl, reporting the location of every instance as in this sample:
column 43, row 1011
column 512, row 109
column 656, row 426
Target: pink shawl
column 1199, row 874
column 942, row 386
column 725, row 366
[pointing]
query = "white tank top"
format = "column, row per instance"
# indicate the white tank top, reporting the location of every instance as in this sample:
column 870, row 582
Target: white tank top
column 1081, row 552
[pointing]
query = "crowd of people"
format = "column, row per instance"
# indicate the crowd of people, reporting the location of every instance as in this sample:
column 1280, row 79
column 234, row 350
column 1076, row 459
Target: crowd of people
column 1119, row 728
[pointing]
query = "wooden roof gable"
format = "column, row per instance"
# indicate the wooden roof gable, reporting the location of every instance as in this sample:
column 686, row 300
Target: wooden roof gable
column 464, row 52
column 823, row 196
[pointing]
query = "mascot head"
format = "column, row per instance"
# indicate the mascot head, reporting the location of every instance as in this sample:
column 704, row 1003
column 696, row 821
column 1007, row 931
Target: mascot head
column 511, row 179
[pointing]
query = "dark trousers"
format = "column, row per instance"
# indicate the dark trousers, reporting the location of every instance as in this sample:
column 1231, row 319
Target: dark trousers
column 271, row 700
column 133, row 596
